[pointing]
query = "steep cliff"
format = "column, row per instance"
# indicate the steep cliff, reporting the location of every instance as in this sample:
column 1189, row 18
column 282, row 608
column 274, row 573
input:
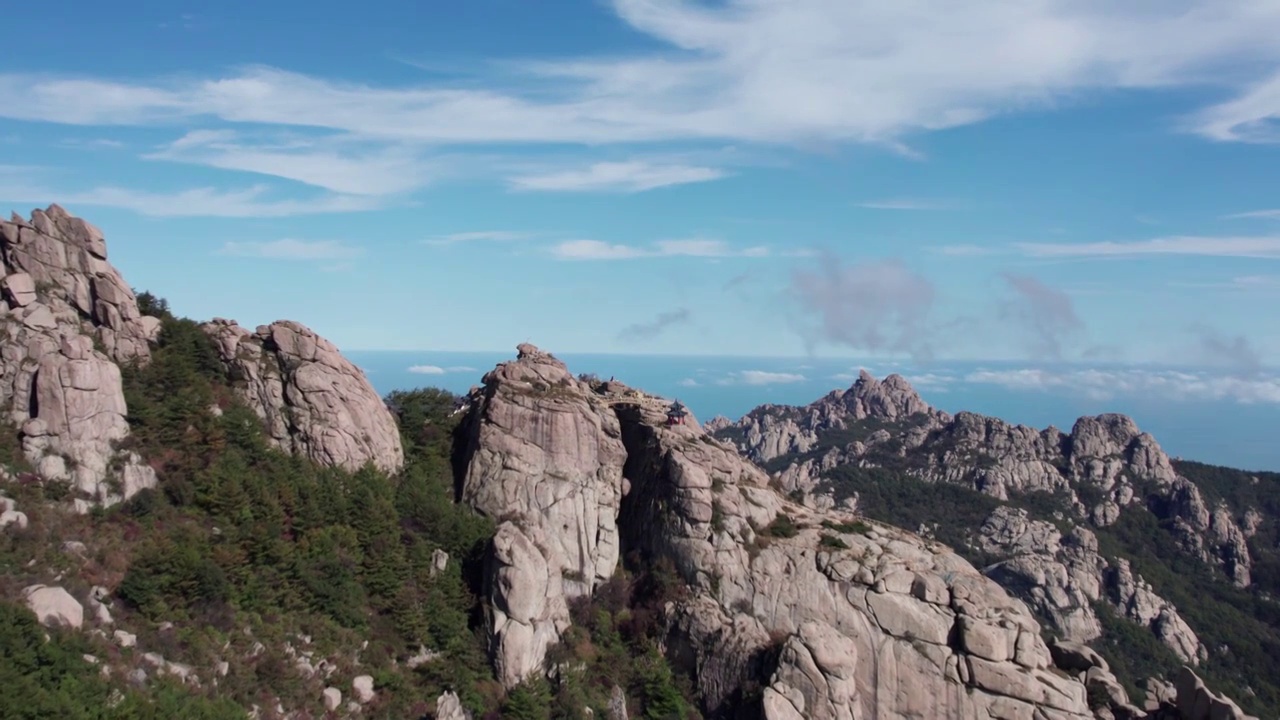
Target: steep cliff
column 68, row 320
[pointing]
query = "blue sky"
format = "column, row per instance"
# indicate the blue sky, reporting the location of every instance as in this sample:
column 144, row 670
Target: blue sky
column 1049, row 181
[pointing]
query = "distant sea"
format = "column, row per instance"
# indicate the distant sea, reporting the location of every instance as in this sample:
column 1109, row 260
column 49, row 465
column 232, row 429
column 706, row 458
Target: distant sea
column 1183, row 416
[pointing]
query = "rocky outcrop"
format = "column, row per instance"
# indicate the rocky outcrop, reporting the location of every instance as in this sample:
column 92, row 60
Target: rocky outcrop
column 872, row 621
column 66, row 257
column 1059, row 576
column 1135, row 599
column 68, row 320
column 1197, row 702
column 314, row 402
column 1062, row 577
column 545, row 458
column 449, row 707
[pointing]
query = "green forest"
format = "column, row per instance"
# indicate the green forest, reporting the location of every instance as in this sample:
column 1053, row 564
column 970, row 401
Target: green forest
column 247, row 555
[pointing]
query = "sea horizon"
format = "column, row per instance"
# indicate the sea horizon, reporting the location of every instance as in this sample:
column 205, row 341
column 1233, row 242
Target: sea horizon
column 1200, row 414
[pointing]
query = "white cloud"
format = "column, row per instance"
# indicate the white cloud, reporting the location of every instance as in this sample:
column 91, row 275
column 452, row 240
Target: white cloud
column 255, row 201
column 290, row 249
column 1107, row 384
column 1253, row 116
column 762, row 377
column 803, row 71
column 933, row 382
column 337, row 164
column 437, row 370
column 426, row 370
column 907, row 204
column 692, row 247
column 92, row 143
column 689, row 382
column 477, row 236
column 632, row 176
column 1254, row 247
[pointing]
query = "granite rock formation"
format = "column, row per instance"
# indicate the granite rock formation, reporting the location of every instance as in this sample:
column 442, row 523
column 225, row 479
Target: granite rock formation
column 315, row 403
column 69, row 320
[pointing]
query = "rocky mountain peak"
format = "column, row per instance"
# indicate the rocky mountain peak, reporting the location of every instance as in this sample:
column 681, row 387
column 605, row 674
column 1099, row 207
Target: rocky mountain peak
column 891, row 399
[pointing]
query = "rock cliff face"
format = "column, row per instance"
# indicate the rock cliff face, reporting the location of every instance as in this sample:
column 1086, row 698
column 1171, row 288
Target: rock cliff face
column 315, row 402
column 868, row 620
column 546, row 459
column 68, row 319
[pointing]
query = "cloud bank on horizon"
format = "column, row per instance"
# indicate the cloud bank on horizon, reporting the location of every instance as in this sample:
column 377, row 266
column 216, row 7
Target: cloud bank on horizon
column 1041, row 181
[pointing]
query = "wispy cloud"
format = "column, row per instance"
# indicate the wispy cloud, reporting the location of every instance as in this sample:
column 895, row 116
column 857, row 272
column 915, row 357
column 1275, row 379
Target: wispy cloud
column 908, row 204
column 478, row 236
column 338, row 164
column 655, row 327
column 796, row 73
column 255, row 201
column 632, row 176
column 290, row 249
column 1098, row 384
column 1273, row 214
column 1255, row 247
column 438, row 370
column 1241, row 283
column 761, row 377
column 92, row 143
column 1253, row 116
column 693, row 247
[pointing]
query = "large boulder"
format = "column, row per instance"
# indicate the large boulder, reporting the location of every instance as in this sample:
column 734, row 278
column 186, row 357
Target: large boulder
column 315, row 403
column 54, row 606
